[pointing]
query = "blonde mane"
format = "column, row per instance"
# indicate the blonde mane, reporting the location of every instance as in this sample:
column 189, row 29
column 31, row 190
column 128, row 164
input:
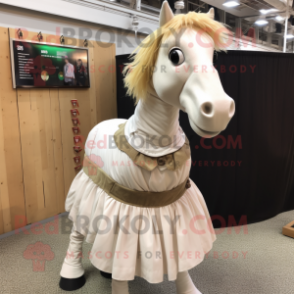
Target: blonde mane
column 138, row 73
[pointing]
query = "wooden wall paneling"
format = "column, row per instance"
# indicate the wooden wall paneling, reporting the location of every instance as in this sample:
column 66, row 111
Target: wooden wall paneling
column 87, row 119
column 31, row 153
column 38, row 153
column 65, row 97
column 27, row 35
column 47, row 149
column 58, row 149
column 40, row 135
column 5, row 216
column 105, row 80
column 1, row 218
column 37, row 134
column 11, row 163
column 57, row 139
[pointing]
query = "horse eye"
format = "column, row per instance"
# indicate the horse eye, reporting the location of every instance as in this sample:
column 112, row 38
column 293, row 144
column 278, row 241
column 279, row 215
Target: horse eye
column 176, row 56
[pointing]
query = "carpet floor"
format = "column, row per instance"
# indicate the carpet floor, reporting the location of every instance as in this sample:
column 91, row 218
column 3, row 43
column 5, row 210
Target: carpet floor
column 260, row 261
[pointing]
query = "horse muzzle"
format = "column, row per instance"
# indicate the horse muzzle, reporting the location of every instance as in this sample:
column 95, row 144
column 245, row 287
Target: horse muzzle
column 209, row 108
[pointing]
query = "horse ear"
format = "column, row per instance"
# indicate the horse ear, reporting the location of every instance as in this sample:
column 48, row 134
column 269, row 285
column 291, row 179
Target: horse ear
column 211, row 13
column 166, row 14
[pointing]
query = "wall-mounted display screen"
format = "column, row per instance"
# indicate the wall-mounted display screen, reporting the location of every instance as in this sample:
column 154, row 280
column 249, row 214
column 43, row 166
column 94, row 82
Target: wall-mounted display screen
column 44, row 65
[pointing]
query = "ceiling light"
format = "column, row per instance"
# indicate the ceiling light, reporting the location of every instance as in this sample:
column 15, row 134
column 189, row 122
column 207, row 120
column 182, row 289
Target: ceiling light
column 266, row 11
column 261, row 22
column 279, row 18
column 290, row 36
column 231, row 3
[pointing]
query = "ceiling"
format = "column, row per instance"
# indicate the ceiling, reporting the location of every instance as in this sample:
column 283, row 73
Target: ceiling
column 254, row 4
column 247, row 8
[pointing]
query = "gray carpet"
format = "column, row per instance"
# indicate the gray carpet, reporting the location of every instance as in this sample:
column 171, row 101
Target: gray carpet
column 268, row 266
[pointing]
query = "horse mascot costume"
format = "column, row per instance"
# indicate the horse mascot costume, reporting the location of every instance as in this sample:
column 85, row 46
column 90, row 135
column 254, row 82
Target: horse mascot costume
column 133, row 199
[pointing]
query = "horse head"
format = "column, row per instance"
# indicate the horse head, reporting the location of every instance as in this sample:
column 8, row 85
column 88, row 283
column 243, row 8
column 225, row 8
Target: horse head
column 177, row 60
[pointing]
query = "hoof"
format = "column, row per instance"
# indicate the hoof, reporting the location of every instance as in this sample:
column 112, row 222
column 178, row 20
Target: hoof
column 106, row 275
column 72, row 284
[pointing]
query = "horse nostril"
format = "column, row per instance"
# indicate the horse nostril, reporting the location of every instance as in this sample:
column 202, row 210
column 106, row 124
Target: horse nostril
column 207, row 108
column 232, row 109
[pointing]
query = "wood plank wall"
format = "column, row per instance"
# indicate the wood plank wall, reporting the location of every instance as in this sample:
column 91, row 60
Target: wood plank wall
column 36, row 138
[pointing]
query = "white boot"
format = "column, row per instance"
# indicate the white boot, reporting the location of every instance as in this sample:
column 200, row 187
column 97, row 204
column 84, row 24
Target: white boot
column 72, row 266
column 120, row 287
column 185, row 285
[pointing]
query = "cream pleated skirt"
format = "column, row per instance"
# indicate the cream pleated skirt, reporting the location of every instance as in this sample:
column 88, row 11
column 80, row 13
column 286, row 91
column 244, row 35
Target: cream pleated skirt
column 131, row 241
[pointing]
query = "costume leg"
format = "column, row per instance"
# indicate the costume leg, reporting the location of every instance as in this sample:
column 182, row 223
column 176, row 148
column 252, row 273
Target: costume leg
column 72, row 272
column 120, row 287
column 185, row 285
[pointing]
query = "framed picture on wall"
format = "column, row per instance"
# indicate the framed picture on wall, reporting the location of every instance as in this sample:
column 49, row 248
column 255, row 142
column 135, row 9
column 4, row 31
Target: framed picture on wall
column 44, row 65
